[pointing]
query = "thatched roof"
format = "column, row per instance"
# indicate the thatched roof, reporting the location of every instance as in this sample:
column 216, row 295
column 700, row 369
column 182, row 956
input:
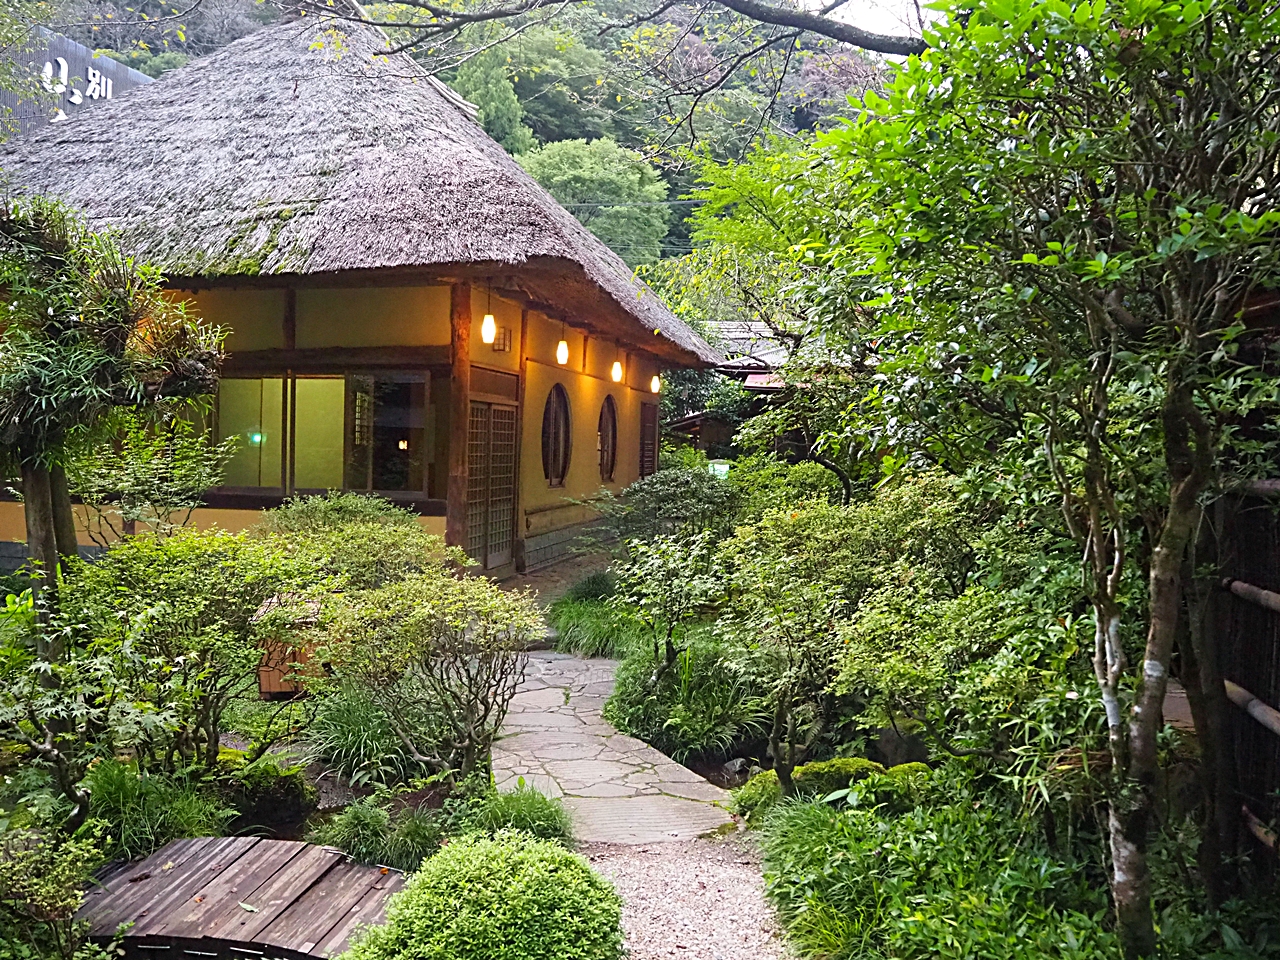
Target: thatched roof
column 301, row 151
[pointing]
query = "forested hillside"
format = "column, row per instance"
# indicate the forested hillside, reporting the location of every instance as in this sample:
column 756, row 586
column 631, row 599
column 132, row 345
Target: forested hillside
column 610, row 111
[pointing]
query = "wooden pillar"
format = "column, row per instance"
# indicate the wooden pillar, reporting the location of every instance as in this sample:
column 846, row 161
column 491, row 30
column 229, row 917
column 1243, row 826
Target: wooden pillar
column 455, row 521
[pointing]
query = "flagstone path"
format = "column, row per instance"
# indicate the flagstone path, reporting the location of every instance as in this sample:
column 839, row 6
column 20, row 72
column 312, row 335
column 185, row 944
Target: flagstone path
column 619, row 789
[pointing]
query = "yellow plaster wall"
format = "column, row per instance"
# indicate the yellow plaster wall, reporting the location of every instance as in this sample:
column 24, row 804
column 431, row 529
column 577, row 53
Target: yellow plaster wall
column 255, row 318
column 505, row 314
column 13, row 527
column 13, row 523
column 586, row 396
column 373, row 317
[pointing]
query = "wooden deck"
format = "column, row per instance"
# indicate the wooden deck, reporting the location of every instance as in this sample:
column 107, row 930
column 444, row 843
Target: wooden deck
column 238, row 897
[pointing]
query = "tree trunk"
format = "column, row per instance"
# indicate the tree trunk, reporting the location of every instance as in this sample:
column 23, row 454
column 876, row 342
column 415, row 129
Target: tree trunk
column 43, row 550
column 1186, row 454
column 64, row 520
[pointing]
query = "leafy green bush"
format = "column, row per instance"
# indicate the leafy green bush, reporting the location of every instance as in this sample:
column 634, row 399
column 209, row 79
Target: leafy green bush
column 142, row 814
column 523, row 809
column 594, row 586
column 441, row 656
column 763, row 482
column 42, row 883
column 361, row 542
column 701, row 706
column 594, row 628
column 954, row 882
column 333, row 511
column 674, row 501
column 353, row 737
column 510, row 897
column 371, row 832
column 184, row 620
column 268, row 794
column 376, row 829
column 759, row 794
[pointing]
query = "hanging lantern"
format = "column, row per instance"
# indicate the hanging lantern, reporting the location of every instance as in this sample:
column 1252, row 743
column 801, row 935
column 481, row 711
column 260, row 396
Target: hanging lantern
column 562, row 352
column 488, row 328
column 616, row 372
column 655, row 384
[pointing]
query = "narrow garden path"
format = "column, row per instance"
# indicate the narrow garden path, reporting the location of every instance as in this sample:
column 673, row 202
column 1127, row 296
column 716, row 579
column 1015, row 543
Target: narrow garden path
column 639, row 818
column 619, row 789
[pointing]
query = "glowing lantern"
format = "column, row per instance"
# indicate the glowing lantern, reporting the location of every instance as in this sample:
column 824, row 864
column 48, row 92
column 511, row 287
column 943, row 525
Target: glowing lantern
column 562, row 352
column 616, row 372
column 655, row 384
column 488, row 328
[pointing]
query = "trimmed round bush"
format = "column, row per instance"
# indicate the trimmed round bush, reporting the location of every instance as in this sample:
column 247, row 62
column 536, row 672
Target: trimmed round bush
column 509, row 897
column 754, row 798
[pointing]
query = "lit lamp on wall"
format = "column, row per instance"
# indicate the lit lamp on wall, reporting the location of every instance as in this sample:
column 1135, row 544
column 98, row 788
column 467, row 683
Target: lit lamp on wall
column 616, row 372
column 489, row 326
column 562, row 348
column 655, row 384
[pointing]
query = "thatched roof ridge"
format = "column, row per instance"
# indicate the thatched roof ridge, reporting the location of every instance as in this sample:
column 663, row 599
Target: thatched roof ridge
column 302, row 150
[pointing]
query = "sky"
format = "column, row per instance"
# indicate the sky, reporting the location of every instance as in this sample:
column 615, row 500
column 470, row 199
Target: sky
column 883, row 16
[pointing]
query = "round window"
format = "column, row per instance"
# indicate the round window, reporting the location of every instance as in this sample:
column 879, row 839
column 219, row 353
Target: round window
column 607, row 439
column 555, row 437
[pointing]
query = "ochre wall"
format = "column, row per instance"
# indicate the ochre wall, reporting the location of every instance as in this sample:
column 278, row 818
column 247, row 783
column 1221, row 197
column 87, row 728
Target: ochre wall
column 419, row 316
column 373, row 317
column 505, row 314
column 586, row 380
column 254, row 319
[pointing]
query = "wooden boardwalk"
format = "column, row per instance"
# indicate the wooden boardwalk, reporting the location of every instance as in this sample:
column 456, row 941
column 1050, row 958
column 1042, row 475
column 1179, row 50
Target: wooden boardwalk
column 238, row 897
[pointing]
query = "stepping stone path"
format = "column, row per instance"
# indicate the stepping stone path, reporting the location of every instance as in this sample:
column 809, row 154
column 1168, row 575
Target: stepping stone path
column 619, row 789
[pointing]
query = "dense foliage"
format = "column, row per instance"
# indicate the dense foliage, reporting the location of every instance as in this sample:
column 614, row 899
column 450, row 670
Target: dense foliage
column 509, row 897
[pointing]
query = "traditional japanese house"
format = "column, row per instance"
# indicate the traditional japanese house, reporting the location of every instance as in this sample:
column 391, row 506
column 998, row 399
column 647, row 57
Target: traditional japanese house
column 410, row 314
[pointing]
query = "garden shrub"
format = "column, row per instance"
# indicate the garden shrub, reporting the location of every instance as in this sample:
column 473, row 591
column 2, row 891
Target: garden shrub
column 509, row 897
column 763, row 482
column 183, row 620
column 43, row 878
column 371, row 831
column 679, row 500
column 953, row 882
column 141, row 814
column 357, row 541
column 758, row 795
column 523, row 809
column 354, row 738
column 440, row 656
column 333, row 511
column 594, row 586
column 268, row 794
column 594, row 628
column 701, row 706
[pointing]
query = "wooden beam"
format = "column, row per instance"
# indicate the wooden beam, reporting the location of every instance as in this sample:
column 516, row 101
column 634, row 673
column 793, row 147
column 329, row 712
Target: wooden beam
column 291, row 319
column 334, row 359
column 517, row 528
column 1268, row 716
column 1265, row 834
column 1247, row 591
column 455, row 523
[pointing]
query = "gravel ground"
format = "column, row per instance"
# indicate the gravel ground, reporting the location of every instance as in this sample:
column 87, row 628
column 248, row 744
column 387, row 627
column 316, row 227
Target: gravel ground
column 700, row 899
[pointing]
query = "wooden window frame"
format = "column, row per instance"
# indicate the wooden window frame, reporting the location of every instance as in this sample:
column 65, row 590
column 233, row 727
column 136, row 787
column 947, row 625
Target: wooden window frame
column 557, row 404
column 609, row 451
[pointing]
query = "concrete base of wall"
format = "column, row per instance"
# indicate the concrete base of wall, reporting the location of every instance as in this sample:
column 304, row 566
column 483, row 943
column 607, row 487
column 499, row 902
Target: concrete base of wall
column 548, row 548
column 14, row 555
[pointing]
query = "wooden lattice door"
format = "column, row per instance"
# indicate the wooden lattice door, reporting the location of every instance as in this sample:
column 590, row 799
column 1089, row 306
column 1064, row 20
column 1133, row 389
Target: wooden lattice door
column 648, row 439
column 491, row 483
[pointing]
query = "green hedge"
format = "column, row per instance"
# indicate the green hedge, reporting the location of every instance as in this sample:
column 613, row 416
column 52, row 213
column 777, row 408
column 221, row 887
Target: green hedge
column 509, row 897
column 755, row 797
